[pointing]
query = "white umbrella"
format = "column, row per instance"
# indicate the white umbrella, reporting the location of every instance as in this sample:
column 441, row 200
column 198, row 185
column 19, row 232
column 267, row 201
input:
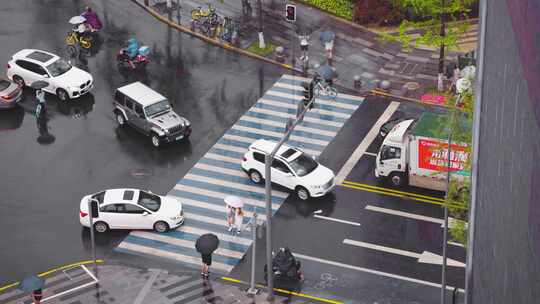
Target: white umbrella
column 234, row 201
column 77, row 20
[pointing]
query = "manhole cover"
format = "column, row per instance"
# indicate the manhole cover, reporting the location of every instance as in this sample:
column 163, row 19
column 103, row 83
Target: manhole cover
column 411, row 86
column 140, row 172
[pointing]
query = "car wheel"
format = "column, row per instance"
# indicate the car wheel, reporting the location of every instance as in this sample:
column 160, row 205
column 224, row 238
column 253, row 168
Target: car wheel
column 155, row 140
column 161, row 227
column 255, row 176
column 396, row 179
column 101, row 227
column 18, row 79
column 302, row 193
column 120, row 119
column 62, row 94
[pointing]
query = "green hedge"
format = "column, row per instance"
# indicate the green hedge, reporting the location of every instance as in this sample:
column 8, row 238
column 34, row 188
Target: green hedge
column 341, row 8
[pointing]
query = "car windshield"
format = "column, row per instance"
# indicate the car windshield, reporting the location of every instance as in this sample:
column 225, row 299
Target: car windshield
column 149, row 201
column 58, row 67
column 158, row 107
column 303, row 165
column 4, row 84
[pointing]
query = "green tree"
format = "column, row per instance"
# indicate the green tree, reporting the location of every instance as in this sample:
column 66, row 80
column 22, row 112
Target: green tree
column 431, row 18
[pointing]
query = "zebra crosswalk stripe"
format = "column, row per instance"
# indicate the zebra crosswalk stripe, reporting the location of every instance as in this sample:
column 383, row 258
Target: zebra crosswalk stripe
column 218, row 173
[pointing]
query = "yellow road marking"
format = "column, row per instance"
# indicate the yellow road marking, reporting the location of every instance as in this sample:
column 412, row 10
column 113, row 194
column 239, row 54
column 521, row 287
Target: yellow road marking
column 403, row 196
column 395, row 191
column 303, row 295
column 53, row 270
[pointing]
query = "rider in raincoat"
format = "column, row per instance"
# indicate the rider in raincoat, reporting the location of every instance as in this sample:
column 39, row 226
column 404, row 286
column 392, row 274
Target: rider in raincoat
column 132, row 48
column 92, row 19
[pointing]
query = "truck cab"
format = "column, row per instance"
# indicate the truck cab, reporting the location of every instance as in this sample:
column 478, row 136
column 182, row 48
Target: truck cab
column 393, row 156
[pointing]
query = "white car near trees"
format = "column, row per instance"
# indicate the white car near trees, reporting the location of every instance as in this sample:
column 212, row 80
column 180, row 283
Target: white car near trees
column 132, row 209
column 65, row 81
column 291, row 168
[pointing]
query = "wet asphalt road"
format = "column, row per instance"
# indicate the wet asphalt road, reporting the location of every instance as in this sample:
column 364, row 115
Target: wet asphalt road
column 47, row 169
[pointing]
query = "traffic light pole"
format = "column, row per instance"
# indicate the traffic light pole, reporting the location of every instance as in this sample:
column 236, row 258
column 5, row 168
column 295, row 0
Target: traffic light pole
column 92, row 237
column 268, row 187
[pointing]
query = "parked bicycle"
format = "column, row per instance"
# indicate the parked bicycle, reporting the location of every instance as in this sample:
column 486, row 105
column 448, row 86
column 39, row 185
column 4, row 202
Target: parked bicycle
column 198, row 13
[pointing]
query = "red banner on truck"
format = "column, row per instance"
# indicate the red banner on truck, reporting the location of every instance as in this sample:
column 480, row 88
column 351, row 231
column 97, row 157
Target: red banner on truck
column 433, row 155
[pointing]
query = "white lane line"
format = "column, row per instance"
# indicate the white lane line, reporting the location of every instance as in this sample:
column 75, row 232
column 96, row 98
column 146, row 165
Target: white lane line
column 185, row 243
column 370, row 154
column 233, row 185
column 294, row 77
column 372, row 271
column 250, row 141
column 455, row 244
column 218, row 169
column 230, row 148
column 425, row 257
column 171, row 255
column 306, row 118
column 221, row 195
column 228, row 159
column 95, row 281
column 278, row 124
column 278, row 135
column 405, row 214
column 336, row 220
column 294, row 106
column 332, row 103
column 382, row 248
column 217, row 208
column 361, row 149
column 222, row 236
column 146, row 288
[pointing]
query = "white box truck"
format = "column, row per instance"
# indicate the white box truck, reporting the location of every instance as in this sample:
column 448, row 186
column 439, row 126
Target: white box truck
column 413, row 153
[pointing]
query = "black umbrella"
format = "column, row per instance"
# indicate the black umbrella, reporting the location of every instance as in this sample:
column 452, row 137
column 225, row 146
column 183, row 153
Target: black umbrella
column 31, row 283
column 207, row 243
column 40, row 84
column 326, row 72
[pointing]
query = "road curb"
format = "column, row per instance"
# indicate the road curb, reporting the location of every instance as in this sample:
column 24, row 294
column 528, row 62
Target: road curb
column 48, row 272
column 212, row 41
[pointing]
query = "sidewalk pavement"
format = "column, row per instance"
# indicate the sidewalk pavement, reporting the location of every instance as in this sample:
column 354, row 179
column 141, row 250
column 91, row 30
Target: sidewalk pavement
column 123, row 283
column 357, row 51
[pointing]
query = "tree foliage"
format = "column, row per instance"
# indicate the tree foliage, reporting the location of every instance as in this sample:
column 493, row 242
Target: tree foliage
column 428, row 15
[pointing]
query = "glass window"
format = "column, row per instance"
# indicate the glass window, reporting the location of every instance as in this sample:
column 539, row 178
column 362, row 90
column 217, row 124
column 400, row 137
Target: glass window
column 157, row 108
column 32, row 67
column 303, row 164
column 128, row 195
column 150, row 201
column 130, row 208
column 279, row 165
column 129, row 103
column 138, row 109
column 58, row 67
column 109, row 208
column 99, row 196
column 258, row 157
column 288, row 153
column 389, row 152
column 119, row 97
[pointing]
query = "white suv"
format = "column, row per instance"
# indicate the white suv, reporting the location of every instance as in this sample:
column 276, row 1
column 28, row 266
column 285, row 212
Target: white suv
column 65, row 81
column 291, row 168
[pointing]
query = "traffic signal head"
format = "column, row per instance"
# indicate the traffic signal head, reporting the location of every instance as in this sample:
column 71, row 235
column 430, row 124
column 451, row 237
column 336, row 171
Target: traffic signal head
column 290, row 12
column 308, row 92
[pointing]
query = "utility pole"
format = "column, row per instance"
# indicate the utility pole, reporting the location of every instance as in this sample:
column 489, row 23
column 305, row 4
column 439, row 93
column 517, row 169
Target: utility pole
column 440, row 84
column 262, row 45
column 92, row 238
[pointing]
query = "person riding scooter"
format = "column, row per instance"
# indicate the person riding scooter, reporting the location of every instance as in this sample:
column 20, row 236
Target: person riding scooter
column 132, row 55
column 92, row 20
column 285, row 267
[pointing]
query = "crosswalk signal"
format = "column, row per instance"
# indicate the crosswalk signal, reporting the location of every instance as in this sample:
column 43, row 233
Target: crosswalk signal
column 290, row 12
column 308, row 93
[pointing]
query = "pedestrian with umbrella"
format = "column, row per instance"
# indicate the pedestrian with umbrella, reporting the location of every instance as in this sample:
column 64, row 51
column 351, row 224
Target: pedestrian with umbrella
column 232, row 204
column 206, row 244
column 33, row 284
column 327, row 39
column 40, row 95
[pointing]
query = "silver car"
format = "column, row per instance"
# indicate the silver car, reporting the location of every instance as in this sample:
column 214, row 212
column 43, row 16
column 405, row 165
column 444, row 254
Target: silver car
column 150, row 113
column 10, row 94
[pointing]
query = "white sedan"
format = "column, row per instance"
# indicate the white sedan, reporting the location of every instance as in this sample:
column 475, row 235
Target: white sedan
column 65, row 81
column 132, row 209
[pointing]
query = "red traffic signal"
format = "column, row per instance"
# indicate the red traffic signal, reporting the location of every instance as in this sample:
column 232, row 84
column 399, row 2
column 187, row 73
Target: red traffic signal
column 290, row 12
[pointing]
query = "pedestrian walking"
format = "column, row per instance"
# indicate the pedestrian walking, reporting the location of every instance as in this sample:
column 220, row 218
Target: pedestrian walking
column 206, row 244
column 304, row 44
column 230, row 216
column 238, row 220
column 37, row 295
